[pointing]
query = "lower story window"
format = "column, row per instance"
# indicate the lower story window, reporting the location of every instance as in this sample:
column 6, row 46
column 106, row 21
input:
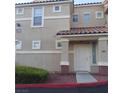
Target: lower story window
column 58, row 44
column 18, row 44
column 18, row 30
column 36, row 44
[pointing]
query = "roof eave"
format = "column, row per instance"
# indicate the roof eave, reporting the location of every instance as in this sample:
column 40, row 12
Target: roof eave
column 88, row 5
column 79, row 35
column 43, row 3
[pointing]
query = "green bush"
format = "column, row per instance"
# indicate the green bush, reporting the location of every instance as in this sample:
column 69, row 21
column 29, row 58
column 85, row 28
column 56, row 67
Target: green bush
column 28, row 75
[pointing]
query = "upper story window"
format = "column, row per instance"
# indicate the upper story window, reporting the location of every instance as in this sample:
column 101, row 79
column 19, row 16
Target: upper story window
column 57, row 8
column 19, row 11
column 99, row 14
column 36, row 44
column 18, row 44
column 37, row 20
column 86, row 18
column 75, row 18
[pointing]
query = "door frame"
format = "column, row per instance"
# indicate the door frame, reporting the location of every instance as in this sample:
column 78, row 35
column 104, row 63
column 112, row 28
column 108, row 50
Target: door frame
column 90, row 55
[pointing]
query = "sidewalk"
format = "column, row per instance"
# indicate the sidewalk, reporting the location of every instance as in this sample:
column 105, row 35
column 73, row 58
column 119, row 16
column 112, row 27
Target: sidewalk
column 71, row 78
column 84, row 77
column 61, row 78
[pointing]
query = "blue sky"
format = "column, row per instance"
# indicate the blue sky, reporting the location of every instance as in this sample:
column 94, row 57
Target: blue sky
column 76, row 1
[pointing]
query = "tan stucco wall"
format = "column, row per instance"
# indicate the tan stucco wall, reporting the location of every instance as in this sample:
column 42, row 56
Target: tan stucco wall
column 48, row 10
column 92, row 9
column 103, row 56
column 47, row 34
column 102, row 51
column 27, row 13
column 50, row 62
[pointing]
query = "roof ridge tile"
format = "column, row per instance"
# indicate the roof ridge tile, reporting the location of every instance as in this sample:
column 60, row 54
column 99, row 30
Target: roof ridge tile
column 84, row 30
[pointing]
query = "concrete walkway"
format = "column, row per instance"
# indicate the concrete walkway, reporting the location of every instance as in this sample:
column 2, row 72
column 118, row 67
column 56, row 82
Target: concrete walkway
column 84, row 77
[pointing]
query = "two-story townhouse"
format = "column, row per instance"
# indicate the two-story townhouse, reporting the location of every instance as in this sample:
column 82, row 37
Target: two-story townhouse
column 36, row 26
column 59, row 36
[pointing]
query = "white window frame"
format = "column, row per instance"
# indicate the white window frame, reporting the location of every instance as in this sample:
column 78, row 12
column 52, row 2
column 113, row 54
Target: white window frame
column 102, row 14
column 58, row 41
column 34, row 42
column 42, row 25
column 17, row 12
column 19, row 46
column 55, row 11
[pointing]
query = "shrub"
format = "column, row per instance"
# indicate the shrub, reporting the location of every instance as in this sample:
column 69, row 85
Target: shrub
column 27, row 75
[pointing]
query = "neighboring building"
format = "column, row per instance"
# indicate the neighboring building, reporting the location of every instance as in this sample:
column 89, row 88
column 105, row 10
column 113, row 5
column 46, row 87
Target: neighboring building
column 59, row 36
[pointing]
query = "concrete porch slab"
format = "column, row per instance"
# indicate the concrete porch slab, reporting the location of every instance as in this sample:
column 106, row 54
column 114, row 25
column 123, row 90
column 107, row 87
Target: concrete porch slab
column 84, row 77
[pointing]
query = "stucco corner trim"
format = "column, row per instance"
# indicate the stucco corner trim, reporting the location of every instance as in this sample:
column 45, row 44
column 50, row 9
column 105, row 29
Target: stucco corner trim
column 42, row 52
column 57, row 17
column 38, row 52
column 64, row 63
column 23, row 19
column 45, row 18
column 64, row 40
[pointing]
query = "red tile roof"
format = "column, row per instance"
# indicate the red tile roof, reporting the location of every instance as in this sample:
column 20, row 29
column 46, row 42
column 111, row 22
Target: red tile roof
column 45, row 1
column 84, row 30
column 38, row 1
